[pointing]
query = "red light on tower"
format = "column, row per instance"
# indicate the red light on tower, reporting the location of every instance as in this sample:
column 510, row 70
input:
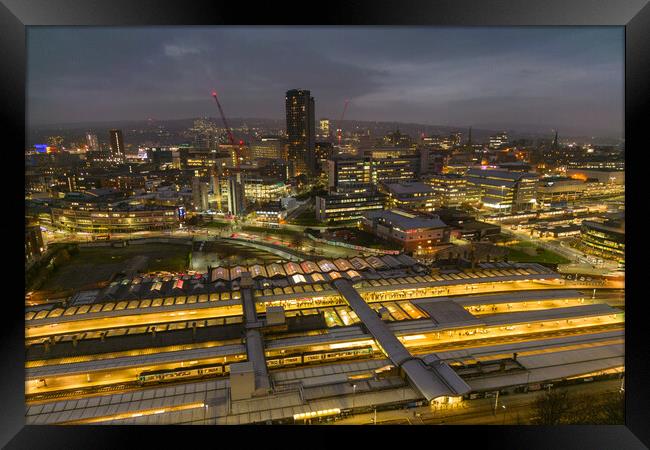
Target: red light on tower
column 241, row 142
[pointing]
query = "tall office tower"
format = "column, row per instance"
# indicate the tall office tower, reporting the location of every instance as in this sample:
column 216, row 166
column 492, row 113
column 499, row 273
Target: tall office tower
column 325, row 128
column 236, row 204
column 117, row 144
column 93, row 143
column 300, row 132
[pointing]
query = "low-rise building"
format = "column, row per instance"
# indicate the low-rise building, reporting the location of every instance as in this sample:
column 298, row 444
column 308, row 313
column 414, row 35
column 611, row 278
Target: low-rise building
column 450, row 189
column 271, row 212
column 607, row 176
column 557, row 231
column 342, row 207
column 258, row 189
column 414, row 195
column 605, row 239
column 108, row 211
column 416, row 233
column 504, row 190
column 465, row 226
column 553, row 190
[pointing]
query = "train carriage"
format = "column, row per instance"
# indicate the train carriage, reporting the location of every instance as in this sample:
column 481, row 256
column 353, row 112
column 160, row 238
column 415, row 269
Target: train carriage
column 162, row 376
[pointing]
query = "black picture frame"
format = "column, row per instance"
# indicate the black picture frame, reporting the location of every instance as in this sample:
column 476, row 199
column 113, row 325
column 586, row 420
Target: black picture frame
column 16, row 15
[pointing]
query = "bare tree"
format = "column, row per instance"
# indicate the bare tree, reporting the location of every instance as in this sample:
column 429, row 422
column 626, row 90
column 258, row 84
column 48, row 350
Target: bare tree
column 551, row 407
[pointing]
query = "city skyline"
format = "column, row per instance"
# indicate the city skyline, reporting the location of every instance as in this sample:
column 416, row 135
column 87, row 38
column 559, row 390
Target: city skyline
column 490, row 78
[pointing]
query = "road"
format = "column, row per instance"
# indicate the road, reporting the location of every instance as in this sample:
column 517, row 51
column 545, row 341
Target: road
column 475, row 412
column 558, row 247
column 303, row 244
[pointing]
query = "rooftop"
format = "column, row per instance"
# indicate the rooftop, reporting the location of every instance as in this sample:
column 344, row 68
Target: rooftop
column 500, row 174
column 410, row 188
column 406, row 221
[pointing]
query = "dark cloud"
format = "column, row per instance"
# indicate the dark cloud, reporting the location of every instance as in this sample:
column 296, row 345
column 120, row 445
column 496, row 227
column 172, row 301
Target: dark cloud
column 453, row 76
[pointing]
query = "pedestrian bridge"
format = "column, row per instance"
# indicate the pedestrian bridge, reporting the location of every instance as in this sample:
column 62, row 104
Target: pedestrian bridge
column 431, row 381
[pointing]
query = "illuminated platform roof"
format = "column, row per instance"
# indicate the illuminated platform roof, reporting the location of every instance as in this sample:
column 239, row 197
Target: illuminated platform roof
column 94, row 344
column 448, row 312
column 430, row 381
column 536, row 346
column 323, row 388
column 136, row 360
column 355, row 333
column 557, row 365
column 155, row 294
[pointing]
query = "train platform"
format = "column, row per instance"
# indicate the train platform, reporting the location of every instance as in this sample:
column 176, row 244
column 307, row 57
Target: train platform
column 431, row 384
column 324, row 388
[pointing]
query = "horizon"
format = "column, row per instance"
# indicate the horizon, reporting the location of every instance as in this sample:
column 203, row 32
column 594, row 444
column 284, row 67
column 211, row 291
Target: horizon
column 546, row 77
column 514, row 129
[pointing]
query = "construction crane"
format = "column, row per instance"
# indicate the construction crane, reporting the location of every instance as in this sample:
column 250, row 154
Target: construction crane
column 228, row 130
column 340, row 131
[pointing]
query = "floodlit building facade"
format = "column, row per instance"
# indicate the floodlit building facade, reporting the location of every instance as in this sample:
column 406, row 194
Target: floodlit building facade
column 504, row 190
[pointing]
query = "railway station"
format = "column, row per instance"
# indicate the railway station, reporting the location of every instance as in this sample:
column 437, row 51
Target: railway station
column 295, row 342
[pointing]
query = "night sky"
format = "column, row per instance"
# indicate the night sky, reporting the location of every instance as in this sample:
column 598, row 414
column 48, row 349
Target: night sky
column 565, row 78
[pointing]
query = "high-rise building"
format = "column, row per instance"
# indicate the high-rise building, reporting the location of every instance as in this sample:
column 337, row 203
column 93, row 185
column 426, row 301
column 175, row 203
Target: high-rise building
column 93, row 143
column 325, row 128
column 300, row 132
column 117, row 144
column 236, row 204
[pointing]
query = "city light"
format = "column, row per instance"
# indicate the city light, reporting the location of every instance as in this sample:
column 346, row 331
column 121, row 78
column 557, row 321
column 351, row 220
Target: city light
column 255, row 262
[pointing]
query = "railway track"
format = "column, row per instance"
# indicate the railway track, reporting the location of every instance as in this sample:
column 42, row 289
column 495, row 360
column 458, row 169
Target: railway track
column 80, row 393
column 125, row 387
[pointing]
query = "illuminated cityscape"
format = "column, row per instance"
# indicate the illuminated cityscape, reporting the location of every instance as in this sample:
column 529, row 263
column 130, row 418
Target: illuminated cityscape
column 325, row 241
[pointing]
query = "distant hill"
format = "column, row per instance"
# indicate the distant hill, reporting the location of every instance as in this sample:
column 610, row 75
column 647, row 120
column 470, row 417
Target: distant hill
column 480, row 132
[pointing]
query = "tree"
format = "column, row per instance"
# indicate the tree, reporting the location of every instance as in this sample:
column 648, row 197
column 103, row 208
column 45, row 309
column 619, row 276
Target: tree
column 556, row 407
column 551, row 407
column 297, row 240
column 597, row 409
column 613, row 410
